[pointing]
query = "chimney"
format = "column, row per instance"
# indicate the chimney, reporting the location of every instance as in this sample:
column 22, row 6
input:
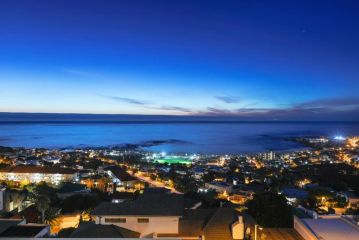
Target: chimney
column 238, row 229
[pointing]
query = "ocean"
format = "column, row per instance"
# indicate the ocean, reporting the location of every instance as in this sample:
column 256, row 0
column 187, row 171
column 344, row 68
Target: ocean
column 171, row 137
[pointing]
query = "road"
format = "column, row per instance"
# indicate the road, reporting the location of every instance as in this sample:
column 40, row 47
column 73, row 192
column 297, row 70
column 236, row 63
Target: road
column 155, row 183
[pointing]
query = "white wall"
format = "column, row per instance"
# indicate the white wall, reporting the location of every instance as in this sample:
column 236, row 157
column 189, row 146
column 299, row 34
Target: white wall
column 38, row 177
column 160, row 224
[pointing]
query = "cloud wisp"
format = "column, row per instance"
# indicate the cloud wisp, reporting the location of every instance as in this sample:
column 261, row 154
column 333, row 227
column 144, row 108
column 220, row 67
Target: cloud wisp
column 81, row 73
column 346, row 109
column 324, row 109
column 175, row 108
column 330, row 103
column 150, row 105
column 228, row 99
column 129, row 100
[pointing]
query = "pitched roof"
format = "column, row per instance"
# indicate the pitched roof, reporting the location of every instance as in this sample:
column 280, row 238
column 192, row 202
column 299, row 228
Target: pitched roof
column 123, row 195
column 31, row 214
column 193, row 222
column 219, row 226
column 120, row 173
column 23, row 231
column 158, row 190
column 294, row 193
column 35, row 169
column 213, row 224
column 7, row 223
column 281, row 234
column 144, row 205
column 92, row 230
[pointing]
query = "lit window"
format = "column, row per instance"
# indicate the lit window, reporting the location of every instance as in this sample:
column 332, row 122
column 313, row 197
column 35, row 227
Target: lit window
column 115, row 220
column 142, row 220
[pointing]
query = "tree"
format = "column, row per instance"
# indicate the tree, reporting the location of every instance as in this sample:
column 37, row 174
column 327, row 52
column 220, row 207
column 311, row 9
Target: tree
column 79, row 203
column 42, row 189
column 51, row 216
column 209, row 198
column 209, row 177
column 319, row 197
column 42, row 204
column 270, row 209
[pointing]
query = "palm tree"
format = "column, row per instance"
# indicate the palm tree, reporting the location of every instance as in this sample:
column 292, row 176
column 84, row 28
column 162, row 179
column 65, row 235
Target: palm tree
column 52, row 216
column 42, row 204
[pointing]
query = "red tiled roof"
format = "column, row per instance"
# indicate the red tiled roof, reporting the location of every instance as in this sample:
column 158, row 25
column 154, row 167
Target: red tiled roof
column 35, row 169
column 31, row 214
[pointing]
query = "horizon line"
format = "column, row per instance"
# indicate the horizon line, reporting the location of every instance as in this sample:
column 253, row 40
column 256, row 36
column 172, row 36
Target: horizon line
column 25, row 117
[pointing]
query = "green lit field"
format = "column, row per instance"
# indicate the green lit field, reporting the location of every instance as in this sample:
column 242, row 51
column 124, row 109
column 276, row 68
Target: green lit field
column 174, row 160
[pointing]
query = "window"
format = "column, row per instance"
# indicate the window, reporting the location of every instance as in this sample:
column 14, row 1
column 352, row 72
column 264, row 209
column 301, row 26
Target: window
column 115, row 220
column 142, row 220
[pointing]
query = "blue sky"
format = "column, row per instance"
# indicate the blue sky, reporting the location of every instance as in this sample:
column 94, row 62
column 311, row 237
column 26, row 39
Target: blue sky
column 278, row 59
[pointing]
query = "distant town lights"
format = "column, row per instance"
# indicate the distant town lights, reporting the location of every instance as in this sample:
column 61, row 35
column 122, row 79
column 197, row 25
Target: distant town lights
column 339, row 138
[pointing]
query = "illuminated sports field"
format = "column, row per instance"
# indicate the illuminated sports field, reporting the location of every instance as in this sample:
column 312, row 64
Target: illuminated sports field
column 174, row 160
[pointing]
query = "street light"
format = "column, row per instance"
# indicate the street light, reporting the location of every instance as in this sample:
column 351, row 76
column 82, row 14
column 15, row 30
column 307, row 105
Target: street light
column 255, row 230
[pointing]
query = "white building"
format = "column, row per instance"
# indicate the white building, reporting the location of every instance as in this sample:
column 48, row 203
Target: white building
column 268, row 156
column 328, row 227
column 120, row 177
column 162, row 215
column 220, row 187
column 34, row 174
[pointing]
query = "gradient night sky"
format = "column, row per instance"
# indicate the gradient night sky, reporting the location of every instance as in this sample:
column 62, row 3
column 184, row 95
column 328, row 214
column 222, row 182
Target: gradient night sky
column 275, row 59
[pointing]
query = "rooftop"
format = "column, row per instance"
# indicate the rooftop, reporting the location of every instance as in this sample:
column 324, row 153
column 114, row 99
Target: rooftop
column 213, row 224
column 333, row 228
column 7, row 223
column 30, row 214
column 294, row 193
column 35, row 169
column 219, row 225
column 120, row 173
column 281, row 234
column 23, row 231
column 220, row 184
column 144, row 205
column 92, row 230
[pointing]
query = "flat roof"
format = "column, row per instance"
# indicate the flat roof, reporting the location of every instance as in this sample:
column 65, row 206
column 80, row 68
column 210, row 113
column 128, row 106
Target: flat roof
column 333, row 228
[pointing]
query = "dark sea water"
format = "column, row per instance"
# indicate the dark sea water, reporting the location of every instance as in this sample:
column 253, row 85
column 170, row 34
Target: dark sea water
column 192, row 137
